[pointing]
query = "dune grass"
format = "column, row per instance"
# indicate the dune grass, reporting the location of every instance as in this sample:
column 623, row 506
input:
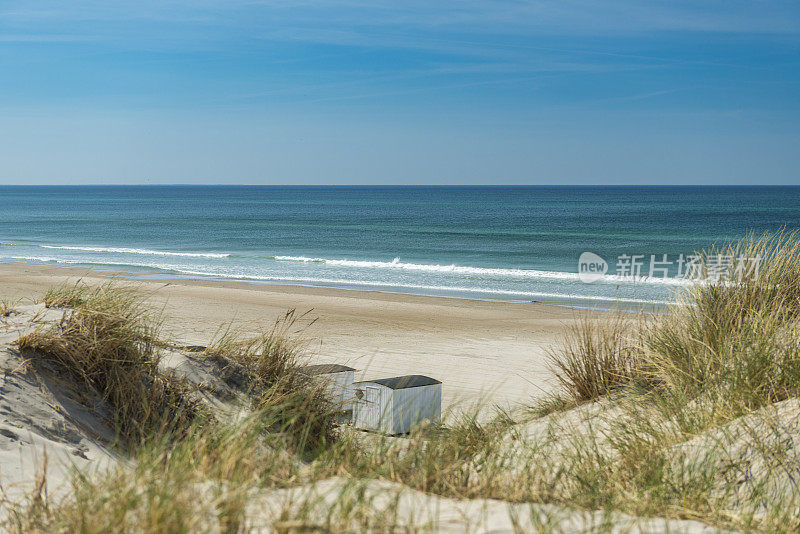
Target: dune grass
column 199, row 483
column 8, row 307
column 736, row 337
column 726, row 349
column 107, row 343
column 67, row 295
column 270, row 367
column 737, row 340
column 598, row 356
column 672, row 416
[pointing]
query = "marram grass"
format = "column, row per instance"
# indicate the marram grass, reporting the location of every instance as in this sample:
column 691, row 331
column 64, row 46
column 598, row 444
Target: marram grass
column 107, row 343
column 8, row 307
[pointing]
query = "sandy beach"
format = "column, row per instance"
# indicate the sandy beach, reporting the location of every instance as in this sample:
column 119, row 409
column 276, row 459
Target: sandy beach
column 480, row 350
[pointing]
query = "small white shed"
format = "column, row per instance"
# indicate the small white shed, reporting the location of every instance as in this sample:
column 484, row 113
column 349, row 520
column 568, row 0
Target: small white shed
column 338, row 379
column 396, row 405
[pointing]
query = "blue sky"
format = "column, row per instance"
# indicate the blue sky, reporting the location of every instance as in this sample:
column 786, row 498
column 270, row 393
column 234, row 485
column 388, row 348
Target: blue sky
column 374, row 92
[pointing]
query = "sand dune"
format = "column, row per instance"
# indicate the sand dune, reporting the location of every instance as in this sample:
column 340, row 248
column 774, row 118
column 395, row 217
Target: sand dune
column 49, row 425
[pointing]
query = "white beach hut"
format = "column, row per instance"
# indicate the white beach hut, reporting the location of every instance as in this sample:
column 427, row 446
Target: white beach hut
column 395, row 405
column 338, row 379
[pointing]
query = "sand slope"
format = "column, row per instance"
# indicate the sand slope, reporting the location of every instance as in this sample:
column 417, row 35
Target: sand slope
column 43, row 415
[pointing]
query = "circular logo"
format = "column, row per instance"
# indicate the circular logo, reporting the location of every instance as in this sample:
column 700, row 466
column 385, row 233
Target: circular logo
column 591, row 267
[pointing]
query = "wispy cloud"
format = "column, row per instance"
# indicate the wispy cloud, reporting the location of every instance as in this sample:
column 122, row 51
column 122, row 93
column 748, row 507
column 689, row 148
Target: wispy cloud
column 314, row 50
column 342, row 20
column 43, row 38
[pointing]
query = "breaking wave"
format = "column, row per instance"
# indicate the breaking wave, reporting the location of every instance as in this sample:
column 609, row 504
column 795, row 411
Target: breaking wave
column 142, row 251
column 477, row 271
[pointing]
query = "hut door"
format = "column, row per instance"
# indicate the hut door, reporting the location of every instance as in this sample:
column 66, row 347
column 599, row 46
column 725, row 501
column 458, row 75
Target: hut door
column 372, row 406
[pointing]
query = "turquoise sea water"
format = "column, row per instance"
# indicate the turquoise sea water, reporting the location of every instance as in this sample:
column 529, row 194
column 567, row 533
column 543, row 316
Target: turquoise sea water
column 516, row 243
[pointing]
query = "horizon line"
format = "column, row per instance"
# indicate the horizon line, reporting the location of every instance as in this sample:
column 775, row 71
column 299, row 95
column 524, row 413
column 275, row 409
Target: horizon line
column 494, row 186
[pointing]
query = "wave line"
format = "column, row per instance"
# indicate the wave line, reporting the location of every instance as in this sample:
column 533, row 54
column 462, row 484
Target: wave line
column 143, row 251
column 479, row 271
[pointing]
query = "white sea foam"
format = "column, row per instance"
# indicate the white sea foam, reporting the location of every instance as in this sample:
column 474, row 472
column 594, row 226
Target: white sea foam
column 456, row 289
column 34, row 258
column 143, row 251
column 386, row 286
column 533, row 274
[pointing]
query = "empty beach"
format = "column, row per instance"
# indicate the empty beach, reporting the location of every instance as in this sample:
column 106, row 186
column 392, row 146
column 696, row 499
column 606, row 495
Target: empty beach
column 481, row 350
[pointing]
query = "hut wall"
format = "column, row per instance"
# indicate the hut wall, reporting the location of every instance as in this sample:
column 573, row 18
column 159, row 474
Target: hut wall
column 413, row 405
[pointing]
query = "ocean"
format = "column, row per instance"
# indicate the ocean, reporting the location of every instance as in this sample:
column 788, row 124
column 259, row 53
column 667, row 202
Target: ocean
column 504, row 243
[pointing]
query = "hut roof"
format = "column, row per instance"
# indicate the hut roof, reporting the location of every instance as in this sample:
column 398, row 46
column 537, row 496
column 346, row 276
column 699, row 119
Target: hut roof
column 326, row 368
column 407, row 381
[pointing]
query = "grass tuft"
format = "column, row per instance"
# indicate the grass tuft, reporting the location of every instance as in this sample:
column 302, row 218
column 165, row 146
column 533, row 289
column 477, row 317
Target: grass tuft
column 598, row 356
column 8, row 307
column 728, row 348
column 108, row 343
column 271, row 365
column 66, row 295
column 738, row 338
